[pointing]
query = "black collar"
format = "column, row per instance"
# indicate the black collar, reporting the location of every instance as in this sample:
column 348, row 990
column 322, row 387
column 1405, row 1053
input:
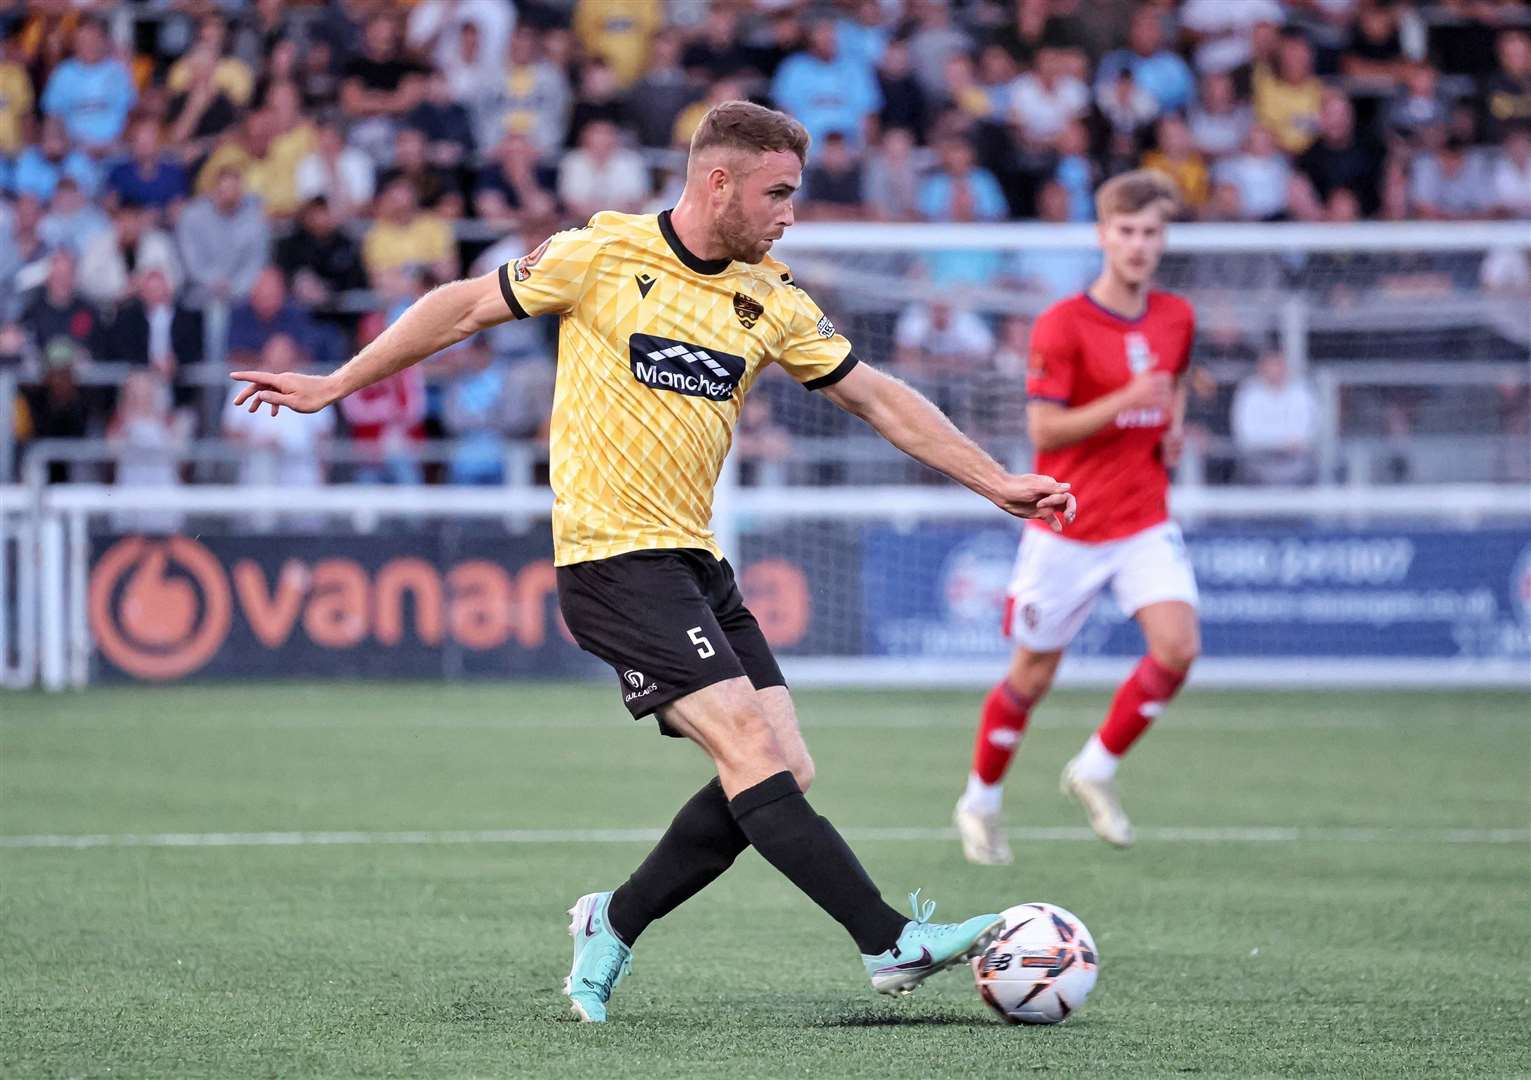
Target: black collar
column 685, row 254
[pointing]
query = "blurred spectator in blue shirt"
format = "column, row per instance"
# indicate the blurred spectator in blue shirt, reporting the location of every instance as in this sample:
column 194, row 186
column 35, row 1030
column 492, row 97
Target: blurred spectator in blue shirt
column 1453, row 182
column 933, row 44
column 224, row 240
column 148, row 176
column 961, row 186
column 1261, row 175
column 474, row 402
column 825, row 90
column 864, row 35
column 41, row 165
column 1161, row 74
column 891, row 180
column 23, row 254
column 72, row 221
column 269, row 312
column 1419, row 106
column 1075, row 172
column 961, row 191
column 92, row 92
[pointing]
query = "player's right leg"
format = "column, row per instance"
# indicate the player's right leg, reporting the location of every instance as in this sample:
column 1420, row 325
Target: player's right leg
column 1002, row 721
column 1054, row 587
column 727, row 722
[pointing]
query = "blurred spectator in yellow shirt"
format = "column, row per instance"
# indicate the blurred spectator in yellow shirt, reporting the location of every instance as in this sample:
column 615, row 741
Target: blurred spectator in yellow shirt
column 293, row 138
column 404, row 237
column 618, row 31
column 1175, row 155
column 230, row 75
column 16, row 97
column 1287, row 100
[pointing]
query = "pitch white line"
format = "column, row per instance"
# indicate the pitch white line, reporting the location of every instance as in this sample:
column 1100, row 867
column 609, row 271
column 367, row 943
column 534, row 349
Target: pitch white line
column 1069, row 834
column 1051, row 720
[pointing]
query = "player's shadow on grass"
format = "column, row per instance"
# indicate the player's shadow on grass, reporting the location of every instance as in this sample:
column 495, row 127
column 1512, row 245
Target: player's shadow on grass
column 880, row 1018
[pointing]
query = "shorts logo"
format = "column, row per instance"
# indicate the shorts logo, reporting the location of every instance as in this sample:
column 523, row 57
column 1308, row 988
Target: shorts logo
column 748, row 309
column 1030, row 616
column 826, row 328
column 641, row 686
column 523, row 265
column 684, row 368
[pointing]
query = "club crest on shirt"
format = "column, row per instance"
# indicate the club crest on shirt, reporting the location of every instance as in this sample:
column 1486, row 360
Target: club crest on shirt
column 523, row 265
column 748, row 309
column 1140, row 357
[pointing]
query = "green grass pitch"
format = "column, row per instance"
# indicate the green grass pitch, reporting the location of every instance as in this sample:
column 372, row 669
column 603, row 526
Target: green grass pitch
column 1326, row 884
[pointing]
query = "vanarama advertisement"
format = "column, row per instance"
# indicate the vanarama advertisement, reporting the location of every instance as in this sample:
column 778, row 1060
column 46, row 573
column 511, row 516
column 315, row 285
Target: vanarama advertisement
column 407, row 605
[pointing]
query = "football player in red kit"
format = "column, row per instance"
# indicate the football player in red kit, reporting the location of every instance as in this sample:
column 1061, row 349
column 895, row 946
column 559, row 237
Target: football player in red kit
column 1105, row 412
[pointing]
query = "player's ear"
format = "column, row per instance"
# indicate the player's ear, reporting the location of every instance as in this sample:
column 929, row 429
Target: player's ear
column 718, row 180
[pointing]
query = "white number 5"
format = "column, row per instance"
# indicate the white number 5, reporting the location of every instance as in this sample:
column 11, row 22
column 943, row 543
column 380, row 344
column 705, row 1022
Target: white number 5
column 704, row 647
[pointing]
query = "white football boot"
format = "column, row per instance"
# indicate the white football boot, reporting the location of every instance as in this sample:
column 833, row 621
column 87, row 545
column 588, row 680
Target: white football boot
column 983, row 837
column 1101, row 802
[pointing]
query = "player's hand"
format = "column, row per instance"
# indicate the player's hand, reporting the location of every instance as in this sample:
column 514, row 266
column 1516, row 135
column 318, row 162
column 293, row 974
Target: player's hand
column 300, row 393
column 1033, row 496
column 1150, row 390
column 1172, row 447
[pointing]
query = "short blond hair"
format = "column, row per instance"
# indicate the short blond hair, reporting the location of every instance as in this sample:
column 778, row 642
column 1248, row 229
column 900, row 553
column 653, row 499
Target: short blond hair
column 743, row 125
column 1140, row 189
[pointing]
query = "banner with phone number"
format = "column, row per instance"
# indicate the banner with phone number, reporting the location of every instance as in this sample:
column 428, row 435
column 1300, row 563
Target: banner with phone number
column 1336, row 593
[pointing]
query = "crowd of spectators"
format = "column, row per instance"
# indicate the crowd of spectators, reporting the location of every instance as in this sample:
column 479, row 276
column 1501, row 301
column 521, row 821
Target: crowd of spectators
column 194, row 184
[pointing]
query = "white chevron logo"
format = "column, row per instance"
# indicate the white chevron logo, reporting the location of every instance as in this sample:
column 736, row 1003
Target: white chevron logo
column 684, row 354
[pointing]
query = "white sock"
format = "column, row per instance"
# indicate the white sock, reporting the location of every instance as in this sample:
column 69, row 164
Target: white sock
column 981, row 798
column 1095, row 762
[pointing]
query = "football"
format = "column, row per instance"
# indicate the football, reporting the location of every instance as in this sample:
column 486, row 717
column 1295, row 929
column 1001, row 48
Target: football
column 1041, row 969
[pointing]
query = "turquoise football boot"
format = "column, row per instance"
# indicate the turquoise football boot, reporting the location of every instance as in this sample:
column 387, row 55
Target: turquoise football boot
column 600, row 958
column 925, row 948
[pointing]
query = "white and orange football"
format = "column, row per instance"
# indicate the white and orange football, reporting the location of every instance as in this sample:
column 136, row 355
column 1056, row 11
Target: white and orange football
column 1041, row 969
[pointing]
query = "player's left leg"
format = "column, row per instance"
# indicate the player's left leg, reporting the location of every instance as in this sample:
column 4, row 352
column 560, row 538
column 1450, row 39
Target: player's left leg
column 1156, row 584
column 1051, row 594
column 703, row 840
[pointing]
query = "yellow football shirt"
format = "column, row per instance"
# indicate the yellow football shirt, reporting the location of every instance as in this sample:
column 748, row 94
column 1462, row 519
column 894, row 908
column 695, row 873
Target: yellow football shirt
column 656, row 350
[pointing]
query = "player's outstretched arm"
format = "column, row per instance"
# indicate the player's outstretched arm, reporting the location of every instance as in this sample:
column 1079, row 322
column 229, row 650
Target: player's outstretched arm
column 904, row 417
column 442, row 317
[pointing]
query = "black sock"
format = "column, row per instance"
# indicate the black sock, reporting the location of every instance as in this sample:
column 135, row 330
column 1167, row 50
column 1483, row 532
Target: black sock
column 699, row 845
column 806, row 848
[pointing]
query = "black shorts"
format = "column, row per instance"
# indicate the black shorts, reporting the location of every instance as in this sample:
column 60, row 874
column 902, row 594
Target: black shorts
column 669, row 621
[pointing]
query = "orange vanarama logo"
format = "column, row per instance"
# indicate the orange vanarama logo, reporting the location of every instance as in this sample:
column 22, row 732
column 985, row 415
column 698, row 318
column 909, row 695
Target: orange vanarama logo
column 159, row 608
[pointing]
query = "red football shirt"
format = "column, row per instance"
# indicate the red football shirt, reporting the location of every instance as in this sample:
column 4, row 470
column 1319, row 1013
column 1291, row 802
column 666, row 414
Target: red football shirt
column 1081, row 351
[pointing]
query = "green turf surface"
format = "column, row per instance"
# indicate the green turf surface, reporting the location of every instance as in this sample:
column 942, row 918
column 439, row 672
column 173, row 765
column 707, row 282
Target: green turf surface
column 1324, row 952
